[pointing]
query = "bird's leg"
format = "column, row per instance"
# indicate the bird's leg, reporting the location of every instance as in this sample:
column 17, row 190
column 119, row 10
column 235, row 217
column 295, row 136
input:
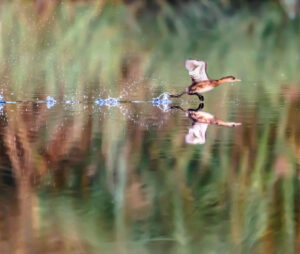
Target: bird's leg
column 200, row 106
column 177, row 96
column 200, row 96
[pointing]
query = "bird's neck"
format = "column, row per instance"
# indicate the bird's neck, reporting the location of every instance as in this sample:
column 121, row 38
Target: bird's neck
column 224, row 80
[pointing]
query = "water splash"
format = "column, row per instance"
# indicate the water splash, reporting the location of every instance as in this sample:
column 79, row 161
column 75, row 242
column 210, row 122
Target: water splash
column 134, row 90
column 50, row 102
column 70, row 100
column 2, row 100
column 109, row 102
column 1, row 109
column 162, row 101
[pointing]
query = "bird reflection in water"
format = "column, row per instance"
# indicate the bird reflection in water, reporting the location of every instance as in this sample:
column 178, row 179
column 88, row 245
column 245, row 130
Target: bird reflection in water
column 201, row 120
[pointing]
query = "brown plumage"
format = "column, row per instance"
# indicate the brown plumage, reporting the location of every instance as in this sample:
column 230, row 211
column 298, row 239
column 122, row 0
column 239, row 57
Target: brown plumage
column 207, row 118
column 201, row 120
column 201, row 83
column 198, row 116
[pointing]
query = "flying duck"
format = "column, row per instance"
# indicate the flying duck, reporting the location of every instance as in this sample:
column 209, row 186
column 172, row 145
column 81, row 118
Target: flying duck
column 201, row 83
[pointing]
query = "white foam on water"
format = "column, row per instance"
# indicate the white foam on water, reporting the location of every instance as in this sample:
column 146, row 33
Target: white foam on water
column 162, row 101
column 2, row 100
column 109, row 102
column 1, row 109
column 50, row 101
column 70, row 101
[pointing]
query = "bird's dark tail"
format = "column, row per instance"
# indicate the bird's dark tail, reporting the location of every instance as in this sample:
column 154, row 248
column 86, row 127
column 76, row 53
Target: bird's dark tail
column 177, row 95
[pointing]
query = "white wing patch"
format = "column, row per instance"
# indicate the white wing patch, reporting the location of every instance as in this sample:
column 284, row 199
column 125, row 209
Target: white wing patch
column 197, row 70
column 196, row 134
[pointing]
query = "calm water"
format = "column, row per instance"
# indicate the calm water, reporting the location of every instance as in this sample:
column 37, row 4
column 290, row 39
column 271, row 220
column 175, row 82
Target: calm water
column 82, row 177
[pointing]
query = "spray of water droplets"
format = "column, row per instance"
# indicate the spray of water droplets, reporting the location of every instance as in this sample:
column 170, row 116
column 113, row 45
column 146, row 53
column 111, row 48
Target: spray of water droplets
column 145, row 115
column 50, row 101
column 109, row 102
column 162, row 101
column 2, row 100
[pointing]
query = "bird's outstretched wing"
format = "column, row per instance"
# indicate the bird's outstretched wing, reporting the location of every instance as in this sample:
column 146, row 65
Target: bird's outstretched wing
column 197, row 70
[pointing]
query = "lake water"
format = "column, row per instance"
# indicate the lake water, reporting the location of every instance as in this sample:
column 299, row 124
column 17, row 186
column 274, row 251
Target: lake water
column 84, row 177
column 94, row 158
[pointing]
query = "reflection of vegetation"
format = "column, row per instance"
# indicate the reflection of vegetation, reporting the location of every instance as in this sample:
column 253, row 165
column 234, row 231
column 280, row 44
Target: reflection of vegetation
column 84, row 184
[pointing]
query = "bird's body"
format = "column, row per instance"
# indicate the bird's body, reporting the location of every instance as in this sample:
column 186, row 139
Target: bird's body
column 202, row 87
column 201, row 83
column 207, row 118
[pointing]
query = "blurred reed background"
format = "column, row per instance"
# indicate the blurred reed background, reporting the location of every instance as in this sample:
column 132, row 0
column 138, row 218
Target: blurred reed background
column 56, row 45
column 80, row 181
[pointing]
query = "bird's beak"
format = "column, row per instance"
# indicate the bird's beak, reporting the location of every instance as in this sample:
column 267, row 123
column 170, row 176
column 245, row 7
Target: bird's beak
column 236, row 80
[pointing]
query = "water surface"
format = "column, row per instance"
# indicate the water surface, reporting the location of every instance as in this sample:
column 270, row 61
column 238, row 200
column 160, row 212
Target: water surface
column 89, row 178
